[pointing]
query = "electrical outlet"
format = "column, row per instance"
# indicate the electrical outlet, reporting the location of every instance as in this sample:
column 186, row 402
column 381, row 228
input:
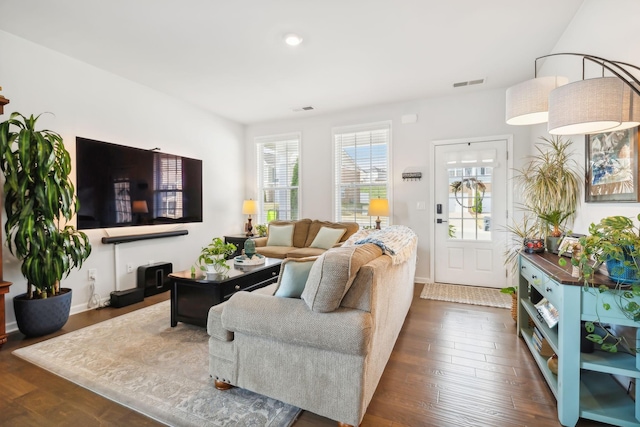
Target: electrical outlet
column 93, row 273
column 129, row 268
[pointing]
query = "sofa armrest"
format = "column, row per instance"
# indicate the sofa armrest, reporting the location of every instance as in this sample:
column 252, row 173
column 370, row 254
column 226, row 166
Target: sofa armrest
column 260, row 241
column 344, row 330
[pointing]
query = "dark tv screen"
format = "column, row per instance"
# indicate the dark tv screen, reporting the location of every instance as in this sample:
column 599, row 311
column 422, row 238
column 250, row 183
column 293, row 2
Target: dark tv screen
column 119, row 186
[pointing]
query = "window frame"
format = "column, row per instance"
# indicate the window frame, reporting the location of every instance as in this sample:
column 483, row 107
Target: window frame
column 381, row 125
column 260, row 141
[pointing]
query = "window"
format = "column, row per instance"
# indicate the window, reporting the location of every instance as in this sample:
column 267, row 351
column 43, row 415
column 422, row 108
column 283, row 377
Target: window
column 278, row 182
column 361, row 171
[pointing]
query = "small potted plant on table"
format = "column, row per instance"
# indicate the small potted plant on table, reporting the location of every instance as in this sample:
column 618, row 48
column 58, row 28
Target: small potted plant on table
column 554, row 219
column 213, row 256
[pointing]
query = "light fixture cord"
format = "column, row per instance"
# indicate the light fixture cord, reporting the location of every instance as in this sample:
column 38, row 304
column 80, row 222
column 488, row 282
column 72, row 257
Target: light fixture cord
column 614, row 67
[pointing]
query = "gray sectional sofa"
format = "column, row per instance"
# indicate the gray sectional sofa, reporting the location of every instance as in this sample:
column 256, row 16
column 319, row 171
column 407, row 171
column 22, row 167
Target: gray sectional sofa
column 325, row 351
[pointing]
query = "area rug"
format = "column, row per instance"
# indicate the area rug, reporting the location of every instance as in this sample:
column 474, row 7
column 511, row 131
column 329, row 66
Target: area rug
column 139, row 361
column 466, row 295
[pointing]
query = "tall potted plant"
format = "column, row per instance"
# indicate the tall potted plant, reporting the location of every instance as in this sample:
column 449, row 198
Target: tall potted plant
column 39, row 202
column 550, row 182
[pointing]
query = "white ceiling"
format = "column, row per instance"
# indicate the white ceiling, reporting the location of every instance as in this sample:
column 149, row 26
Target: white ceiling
column 228, row 56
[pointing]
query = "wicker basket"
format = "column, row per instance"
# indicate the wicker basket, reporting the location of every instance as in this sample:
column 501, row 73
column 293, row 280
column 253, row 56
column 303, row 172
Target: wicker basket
column 514, row 310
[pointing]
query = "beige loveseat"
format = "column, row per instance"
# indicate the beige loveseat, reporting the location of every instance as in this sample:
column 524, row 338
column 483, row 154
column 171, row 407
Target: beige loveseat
column 303, row 236
column 301, row 352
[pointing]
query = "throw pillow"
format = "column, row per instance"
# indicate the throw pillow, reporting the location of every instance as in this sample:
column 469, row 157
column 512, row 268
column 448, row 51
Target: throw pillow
column 280, row 235
column 333, row 273
column 327, row 237
column 293, row 276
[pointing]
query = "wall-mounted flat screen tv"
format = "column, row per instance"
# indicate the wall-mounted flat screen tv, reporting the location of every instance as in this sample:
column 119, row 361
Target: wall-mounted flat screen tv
column 120, row 186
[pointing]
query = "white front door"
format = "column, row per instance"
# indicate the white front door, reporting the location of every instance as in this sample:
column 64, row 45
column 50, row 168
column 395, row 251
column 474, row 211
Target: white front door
column 470, row 212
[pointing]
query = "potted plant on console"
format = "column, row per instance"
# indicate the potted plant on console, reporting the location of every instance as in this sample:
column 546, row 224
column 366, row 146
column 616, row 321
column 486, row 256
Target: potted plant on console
column 39, row 202
column 213, row 256
column 614, row 241
column 554, row 220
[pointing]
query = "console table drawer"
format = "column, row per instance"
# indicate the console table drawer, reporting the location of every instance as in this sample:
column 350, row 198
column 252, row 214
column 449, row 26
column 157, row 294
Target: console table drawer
column 550, row 289
column 531, row 273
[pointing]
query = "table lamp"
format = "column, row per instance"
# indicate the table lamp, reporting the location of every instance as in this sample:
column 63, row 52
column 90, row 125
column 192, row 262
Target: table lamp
column 378, row 207
column 249, row 207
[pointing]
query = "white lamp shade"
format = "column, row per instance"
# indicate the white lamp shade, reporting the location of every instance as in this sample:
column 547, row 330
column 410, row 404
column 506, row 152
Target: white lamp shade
column 378, row 207
column 630, row 109
column 527, row 102
column 586, row 106
column 249, row 207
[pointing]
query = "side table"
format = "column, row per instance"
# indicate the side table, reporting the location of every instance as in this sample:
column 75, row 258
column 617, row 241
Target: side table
column 4, row 288
column 238, row 240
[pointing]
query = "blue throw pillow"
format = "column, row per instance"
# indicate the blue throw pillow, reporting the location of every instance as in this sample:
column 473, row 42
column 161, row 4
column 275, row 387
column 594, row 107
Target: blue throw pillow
column 293, row 276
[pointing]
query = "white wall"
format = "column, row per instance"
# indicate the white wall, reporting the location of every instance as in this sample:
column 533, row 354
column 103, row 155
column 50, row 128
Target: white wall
column 91, row 103
column 473, row 113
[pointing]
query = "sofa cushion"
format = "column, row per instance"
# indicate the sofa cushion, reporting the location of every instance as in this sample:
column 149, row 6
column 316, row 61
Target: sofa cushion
column 300, row 230
column 304, row 252
column 275, row 251
column 280, row 235
column 333, row 273
column 293, row 276
column 327, row 237
column 316, row 225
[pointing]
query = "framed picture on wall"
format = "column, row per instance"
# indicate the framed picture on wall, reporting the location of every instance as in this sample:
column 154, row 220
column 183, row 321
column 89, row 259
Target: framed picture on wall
column 612, row 166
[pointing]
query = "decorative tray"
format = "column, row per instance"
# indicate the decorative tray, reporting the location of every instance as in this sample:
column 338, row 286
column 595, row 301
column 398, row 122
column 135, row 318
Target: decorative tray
column 256, row 259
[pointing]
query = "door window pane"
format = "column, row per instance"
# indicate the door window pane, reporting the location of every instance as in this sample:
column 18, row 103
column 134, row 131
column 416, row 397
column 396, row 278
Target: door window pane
column 470, row 203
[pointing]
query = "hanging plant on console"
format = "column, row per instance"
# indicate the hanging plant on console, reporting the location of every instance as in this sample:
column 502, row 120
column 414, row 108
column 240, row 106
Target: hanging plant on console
column 615, row 241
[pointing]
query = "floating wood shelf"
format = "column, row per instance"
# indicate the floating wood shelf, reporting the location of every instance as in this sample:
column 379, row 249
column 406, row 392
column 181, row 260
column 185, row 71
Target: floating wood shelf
column 3, row 101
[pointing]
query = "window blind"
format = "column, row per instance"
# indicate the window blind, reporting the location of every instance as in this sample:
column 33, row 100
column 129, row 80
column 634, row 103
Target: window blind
column 278, row 177
column 361, row 171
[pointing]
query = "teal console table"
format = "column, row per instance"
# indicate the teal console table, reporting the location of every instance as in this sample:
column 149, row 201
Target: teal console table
column 584, row 386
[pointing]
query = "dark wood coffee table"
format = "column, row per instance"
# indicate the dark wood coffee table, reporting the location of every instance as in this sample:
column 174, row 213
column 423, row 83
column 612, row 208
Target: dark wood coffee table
column 192, row 297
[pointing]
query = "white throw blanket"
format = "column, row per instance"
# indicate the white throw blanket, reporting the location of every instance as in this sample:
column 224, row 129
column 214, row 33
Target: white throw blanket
column 397, row 241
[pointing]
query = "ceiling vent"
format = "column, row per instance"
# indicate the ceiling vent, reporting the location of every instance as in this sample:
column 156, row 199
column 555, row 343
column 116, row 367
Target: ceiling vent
column 469, row 83
column 307, row 108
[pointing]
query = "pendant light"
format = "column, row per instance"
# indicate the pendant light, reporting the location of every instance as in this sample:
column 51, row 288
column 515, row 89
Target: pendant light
column 586, row 106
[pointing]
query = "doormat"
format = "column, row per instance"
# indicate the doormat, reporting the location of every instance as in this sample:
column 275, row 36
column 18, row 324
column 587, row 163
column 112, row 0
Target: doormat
column 138, row 360
column 475, row 295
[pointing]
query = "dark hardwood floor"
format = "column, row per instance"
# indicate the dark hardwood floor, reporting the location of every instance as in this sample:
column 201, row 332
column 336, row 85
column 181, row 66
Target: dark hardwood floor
column 453, row 365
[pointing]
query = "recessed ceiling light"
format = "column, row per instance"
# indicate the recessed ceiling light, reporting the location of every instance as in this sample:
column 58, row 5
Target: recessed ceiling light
column 292, row 39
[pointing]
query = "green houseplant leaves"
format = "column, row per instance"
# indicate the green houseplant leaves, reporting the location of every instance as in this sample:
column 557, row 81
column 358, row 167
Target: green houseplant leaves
column 39, row 201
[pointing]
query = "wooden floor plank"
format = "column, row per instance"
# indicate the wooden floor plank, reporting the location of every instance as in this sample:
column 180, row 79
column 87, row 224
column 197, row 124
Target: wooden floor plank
column 453, row 365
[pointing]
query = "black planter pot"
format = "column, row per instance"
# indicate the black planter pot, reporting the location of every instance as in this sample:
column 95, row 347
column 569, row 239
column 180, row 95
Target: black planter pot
column 37, row 317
